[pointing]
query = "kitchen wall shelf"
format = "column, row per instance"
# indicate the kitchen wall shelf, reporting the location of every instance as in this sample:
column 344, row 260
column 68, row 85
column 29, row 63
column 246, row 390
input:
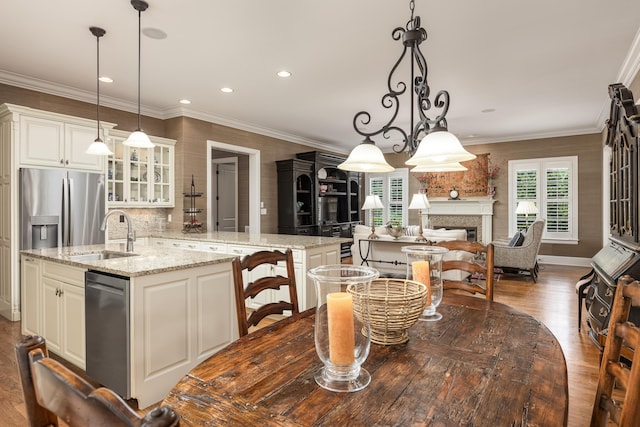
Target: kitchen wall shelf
column 191, row 223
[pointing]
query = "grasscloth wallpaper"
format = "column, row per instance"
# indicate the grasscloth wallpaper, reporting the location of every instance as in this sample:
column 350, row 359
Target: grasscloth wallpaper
column 192, row 136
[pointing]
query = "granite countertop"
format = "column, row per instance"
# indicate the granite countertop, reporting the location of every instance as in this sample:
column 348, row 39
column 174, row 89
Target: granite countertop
column 148, row 259
column 152, row 259
column 268, row 240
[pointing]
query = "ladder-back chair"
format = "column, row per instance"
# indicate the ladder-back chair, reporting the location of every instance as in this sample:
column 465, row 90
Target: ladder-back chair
column 261, row 284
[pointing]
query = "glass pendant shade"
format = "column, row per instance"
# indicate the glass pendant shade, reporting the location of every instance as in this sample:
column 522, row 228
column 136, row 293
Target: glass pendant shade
column 99, row 148
column 439, row 147
column 138, row 139
column 366, row 157
column 443, row 167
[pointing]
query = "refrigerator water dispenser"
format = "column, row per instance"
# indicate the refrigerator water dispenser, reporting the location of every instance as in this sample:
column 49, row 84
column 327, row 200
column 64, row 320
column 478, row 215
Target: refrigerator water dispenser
column 44, row 231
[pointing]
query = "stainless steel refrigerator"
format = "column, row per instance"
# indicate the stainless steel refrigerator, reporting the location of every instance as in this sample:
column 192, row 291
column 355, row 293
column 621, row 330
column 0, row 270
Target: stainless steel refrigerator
column 60, row 208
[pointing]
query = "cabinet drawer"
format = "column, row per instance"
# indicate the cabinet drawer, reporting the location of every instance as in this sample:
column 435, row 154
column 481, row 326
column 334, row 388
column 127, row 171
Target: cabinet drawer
column 219, row 248
column 244, row 250
column 184, row 244
column 64, row 273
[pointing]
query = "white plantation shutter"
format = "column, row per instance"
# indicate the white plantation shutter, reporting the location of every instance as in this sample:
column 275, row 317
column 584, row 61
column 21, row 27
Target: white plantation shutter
column 392, row 187
column 552, row 183
column 557, row 211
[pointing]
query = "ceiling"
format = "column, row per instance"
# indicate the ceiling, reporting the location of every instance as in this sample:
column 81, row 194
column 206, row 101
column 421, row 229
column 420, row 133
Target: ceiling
column 515, row 70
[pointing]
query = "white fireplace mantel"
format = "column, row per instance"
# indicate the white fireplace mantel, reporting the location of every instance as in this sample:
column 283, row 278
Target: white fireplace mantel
column 476, row 207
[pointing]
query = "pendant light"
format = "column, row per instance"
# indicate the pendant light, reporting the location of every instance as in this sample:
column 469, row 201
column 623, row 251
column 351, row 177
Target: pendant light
column 98, row 147
column 138, row 138
column 366, row 157
column 426, row 139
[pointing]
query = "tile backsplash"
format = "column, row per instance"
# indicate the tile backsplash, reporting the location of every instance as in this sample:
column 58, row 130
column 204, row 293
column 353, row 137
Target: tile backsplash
column 145, row 222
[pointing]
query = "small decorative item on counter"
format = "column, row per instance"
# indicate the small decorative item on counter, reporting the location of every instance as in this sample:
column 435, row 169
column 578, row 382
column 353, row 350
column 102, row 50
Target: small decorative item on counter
column 134, row 155
column 342, row 333
column 424, row 265
column 394, row 231
column 491, row 192
column 394, row 306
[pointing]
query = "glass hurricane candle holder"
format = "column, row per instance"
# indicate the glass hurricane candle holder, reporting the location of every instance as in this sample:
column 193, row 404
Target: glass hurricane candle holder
column 342, row 339
column 424, row 265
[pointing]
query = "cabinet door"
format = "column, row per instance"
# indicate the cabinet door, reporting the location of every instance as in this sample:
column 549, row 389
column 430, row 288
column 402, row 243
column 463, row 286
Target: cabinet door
column 51, row 328
column 77, row 140
column 41, row 142
column 31, row 296
column 140, row 177
column 115, row 173
column 161, row 183
column 73, row 324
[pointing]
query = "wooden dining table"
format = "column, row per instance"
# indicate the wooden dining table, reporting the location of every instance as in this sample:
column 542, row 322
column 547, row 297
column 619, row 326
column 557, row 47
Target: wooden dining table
column 483, row 364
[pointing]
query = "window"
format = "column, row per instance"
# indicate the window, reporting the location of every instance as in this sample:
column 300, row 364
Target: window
column 552, row 184
column 392, row 188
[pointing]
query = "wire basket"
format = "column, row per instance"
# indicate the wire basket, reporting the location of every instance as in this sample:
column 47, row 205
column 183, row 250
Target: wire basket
column 394, row 306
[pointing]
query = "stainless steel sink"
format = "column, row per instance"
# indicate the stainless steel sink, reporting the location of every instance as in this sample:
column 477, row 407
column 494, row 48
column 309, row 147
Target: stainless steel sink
column 102, row 255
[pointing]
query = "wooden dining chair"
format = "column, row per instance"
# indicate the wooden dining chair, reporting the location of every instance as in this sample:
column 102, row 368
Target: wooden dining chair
column 52, row 391
column 622, row 407
column 485, row 268
column 261, row 284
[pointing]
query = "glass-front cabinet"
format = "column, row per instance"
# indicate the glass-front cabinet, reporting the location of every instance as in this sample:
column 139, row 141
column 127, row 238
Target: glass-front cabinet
column 140, row 177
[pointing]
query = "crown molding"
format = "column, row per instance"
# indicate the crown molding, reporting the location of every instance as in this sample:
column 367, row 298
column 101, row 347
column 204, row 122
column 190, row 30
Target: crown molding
column 47, row 87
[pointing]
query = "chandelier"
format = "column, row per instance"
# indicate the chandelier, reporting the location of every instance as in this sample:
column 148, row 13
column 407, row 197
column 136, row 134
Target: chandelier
column 428, row 141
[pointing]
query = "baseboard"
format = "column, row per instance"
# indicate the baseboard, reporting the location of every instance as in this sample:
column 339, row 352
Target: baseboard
column 564, row 260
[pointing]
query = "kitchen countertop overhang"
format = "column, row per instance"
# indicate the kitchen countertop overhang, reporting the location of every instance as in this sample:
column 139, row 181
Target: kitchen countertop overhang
column 146, row 259
column 268, row 240
column 151, row 260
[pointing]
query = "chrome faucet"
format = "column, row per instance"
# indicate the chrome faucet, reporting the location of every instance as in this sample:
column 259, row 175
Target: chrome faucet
column 131, row 237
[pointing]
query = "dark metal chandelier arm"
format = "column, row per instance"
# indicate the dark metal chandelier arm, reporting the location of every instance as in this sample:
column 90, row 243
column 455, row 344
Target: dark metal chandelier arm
column 411, row 37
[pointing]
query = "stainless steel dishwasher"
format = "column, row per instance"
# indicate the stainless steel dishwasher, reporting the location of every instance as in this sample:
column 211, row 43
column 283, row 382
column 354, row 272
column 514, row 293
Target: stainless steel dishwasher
column 107, row 330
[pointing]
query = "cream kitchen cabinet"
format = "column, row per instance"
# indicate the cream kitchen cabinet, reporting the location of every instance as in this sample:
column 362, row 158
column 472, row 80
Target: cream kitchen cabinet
column 56, row 141
column 31, row 286
column 140, row 177
column 62, row 310
column 303, row 260
column 215, row 247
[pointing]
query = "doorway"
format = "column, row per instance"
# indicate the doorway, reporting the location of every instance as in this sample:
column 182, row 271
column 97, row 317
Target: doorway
column 252, row 176
column 224, row 203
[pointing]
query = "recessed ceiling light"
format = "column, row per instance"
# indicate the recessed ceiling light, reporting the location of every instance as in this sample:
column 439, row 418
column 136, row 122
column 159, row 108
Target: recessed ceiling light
column 154, row 33
column 185, row 101
column 284, row 74
column 488, row 110
column 226, row 90
column 105, row 79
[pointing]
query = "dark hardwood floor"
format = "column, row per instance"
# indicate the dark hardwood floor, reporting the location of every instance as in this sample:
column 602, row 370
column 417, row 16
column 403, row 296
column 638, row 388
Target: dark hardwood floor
column 552, row 300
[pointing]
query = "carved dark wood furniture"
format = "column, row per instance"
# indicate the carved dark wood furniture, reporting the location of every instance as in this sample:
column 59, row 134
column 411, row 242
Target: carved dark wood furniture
column 483, row 364
column 625, row 412
column 52, row 391
column 484, row 252
column 266, row 282
column 621, row 256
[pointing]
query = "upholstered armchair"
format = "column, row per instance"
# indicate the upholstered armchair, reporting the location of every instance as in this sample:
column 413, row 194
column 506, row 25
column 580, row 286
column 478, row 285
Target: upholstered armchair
column 524, row 256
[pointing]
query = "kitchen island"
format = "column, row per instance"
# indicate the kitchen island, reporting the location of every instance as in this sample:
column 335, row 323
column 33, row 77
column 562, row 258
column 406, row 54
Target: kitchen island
column 181, row 302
